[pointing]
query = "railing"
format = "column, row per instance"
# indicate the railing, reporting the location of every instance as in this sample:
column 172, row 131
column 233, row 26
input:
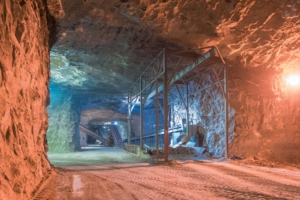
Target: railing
column 147, row 78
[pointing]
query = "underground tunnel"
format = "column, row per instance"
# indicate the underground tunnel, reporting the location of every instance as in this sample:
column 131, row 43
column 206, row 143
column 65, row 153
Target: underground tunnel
column 147, row 99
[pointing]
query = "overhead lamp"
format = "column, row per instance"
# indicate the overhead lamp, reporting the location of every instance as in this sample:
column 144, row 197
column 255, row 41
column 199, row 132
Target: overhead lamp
column 293, row 80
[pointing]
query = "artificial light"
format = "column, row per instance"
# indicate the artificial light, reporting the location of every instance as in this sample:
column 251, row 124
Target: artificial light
column 293, row 80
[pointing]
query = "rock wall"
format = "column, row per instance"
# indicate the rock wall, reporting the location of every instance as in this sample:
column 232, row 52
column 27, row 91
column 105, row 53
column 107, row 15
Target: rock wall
column 253, row 35
column 206, row 112
column 264, row 114
column 24, row 74
column 267, row 116
column 63, row 132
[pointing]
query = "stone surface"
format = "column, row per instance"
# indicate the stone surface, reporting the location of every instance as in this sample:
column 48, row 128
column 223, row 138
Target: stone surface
column 102, row 47
column 267, row 116
column 24, row 74
column 206, row 112
column 63, row 131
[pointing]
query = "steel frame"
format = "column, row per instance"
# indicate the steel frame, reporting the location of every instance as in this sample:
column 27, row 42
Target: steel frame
column 141, row 91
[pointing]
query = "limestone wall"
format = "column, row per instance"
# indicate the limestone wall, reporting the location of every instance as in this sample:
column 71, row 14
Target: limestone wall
column 24, row 73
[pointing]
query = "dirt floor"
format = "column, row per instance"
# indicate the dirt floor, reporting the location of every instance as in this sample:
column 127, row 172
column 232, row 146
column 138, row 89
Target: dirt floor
column 111, row 173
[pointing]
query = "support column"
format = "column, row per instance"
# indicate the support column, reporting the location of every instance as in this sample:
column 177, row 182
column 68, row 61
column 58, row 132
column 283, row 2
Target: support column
column 141, row 116
column 156, row 118
column 226, row 109
column 187, row 108
column 129, row 120
column 166, row 128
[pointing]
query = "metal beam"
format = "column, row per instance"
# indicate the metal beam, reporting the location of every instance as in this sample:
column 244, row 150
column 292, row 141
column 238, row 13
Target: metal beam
column 148, row 77
column 156, row 119
column 129, row 121
column 226, row 109
column 133, row 104
column 187, row 109
column 92, row 134
column 184, row 71
column 226, row 103
column 141, row 117
column 175, row 70
column 166, row 128
column 146, row 97
column 222, row 88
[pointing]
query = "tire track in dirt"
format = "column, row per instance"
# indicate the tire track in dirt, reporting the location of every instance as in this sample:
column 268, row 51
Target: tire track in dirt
column 192, row 180
column 269, row 183
column 160, row 188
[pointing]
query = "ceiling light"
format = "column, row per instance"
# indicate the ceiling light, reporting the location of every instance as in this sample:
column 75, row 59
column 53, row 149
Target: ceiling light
column 293, row 80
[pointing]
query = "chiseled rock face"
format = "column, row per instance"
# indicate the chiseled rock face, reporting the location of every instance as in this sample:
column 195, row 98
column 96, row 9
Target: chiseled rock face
column 103, row 46
column 267, row 118
column 206, row 112
column 24, row 74
column 63, row 131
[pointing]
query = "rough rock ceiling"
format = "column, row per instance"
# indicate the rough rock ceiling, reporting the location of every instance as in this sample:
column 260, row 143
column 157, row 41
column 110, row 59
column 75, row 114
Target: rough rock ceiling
column 103, row 46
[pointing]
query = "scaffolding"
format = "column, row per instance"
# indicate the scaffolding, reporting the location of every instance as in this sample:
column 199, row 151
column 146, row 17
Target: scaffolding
column 168, row 70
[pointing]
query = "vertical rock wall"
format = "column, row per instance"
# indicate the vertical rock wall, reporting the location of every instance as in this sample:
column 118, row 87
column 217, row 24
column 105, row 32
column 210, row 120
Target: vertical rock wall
column 24, row 73
column 264, row 114
column 267, row 115
column 206, row 112
column 63, row 132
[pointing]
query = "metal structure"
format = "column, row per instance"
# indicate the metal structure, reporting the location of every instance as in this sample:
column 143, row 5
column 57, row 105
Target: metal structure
column 93, row 135
column 171, row 68
column 115, row 133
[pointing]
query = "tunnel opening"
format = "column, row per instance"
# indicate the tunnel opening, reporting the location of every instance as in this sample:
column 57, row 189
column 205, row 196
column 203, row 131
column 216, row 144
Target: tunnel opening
column 98, row 49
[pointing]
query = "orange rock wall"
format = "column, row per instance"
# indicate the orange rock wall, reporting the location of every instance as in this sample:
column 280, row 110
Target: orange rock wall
column 267, row 116
column 24, row 74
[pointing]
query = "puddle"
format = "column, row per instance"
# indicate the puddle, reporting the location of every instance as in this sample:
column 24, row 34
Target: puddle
column 77, row 186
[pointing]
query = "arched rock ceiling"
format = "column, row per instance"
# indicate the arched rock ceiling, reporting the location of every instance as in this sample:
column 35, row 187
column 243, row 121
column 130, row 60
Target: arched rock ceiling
column 104, row 45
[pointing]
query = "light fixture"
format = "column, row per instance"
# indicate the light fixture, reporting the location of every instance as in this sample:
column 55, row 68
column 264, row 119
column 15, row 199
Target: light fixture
column 293, row 80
